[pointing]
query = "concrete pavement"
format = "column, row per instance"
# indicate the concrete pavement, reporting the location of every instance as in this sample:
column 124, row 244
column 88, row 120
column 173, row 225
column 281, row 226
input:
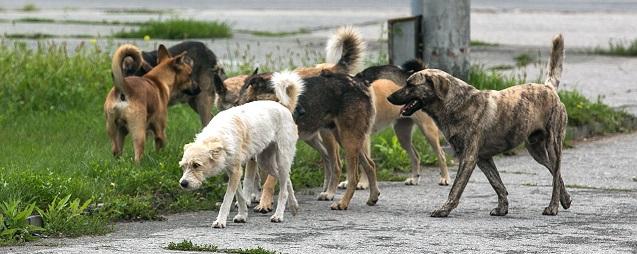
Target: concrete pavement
column 602, row 219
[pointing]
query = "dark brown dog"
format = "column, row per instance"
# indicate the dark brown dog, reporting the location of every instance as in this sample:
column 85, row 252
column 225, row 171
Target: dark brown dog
column 335, row 102
column 137, row 104
column 482, row 124
column 204, row 67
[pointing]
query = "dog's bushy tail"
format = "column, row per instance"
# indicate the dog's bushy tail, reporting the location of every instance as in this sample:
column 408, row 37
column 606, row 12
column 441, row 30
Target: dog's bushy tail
column 412, row 66
column 288, row 86
column 346, row 49
column 126, row 50
column 554, row 68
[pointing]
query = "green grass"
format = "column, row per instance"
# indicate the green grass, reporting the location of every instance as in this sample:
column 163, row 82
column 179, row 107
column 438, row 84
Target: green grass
column 187, row 245
column 178, row 29
column 137, row 11
column 277, row 34
column 72, row 21
column 524, row 59
column 477, row 43
column 41, row 36
column 619, row 48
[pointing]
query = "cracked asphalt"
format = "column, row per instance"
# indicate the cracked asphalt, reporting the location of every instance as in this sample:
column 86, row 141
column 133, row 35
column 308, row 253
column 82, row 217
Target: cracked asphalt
column 598, row 174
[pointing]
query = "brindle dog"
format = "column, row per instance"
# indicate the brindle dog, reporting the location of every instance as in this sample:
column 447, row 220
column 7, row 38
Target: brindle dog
column 482, row 124
column 336, row 102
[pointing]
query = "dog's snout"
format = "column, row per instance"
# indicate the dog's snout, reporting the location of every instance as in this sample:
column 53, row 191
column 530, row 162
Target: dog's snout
column 184, row 184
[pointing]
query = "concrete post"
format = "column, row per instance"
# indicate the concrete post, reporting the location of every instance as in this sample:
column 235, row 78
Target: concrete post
column 446, row 35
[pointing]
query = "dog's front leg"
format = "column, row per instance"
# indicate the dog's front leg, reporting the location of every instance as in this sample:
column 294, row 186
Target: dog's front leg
column 234, row 173
column 468, row 160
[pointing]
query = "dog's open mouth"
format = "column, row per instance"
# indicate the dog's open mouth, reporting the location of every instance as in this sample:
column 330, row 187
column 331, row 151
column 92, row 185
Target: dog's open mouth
column 411, row 108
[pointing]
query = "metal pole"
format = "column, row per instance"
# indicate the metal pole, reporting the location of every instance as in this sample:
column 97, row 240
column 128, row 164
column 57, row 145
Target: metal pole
column 446, row 35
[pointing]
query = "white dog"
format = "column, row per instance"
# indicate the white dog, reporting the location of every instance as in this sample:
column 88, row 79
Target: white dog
column 261, row 129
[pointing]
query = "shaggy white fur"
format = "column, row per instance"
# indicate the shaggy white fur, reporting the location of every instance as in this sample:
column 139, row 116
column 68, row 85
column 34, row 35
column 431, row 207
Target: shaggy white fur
column 261, row 129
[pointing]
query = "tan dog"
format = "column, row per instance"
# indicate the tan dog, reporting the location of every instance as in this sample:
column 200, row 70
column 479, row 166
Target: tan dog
column 139, row 104
column 481, row 124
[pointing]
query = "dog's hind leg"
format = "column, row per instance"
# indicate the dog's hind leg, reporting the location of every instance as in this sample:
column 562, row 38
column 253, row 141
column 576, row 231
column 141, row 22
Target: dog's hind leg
column 284, row 156
column 316, row 143
column 370, row 170
column 491, row 172
column 266, row 161
column 159, row 129
column 249, row 180
column 429, row 128
column 331, row 144
column 363, row 181
column 202, row 104
column 468, row 160
column 402, row 129
column 234, row 181
column 547, row 152
column 293, row 204
column 138, row 132
column 353, row 147
column 117, row 135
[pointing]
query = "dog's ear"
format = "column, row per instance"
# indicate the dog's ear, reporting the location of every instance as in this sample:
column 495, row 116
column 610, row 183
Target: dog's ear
column 439, row 86
column 183, row 59
column 220, row 87
column 256, row 71
column 215, row 148
column 162, row 54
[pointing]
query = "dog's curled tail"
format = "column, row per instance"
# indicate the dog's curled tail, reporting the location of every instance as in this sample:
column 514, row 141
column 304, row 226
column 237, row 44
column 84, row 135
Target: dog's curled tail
column 554, row 68
column 412, row 66
column 288, row 86
column 126, row 50
column 346, row 49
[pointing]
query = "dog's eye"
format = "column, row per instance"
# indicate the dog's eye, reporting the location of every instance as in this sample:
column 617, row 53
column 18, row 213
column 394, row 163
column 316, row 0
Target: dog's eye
column 195, row 165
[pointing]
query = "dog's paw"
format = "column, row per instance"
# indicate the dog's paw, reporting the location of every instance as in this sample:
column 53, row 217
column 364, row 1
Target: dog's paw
column 444, row 181
column 294, row 208
column 219, row 224
column 550, row 211
column 338, row 206
column 239, row 219
column 325, row 196
column 263, row 209
column 342, row 185
column 276, row 219
column 498, row 211
column 440, row 213
column 411, row 181
column 362, row 186
column 254, row 198
column 373, row 199
column 566, row 201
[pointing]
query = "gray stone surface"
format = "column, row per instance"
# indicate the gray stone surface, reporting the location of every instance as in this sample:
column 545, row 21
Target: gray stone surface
column 602, row 219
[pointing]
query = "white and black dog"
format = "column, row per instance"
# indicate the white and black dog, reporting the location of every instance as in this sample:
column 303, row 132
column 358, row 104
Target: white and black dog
column 261, row 129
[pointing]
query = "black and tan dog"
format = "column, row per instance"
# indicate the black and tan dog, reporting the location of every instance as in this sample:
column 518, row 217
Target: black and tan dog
column 204, row 67
column 345, row 50
column 139, row 104
column 386, row 79
column 482, row 124
column 337, row 103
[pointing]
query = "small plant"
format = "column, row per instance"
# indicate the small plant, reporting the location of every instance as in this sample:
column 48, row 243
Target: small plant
column 390, row 154
column 64, row 218
column 29, row 8
column 14, row 227
column 178, row 29
column 524, row 59
column 476, row 43
column 619, row 48
column 187, row 245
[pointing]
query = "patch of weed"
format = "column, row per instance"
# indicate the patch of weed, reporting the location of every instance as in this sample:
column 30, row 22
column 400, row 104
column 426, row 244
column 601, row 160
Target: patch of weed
column 619, row 48
column 178, row 29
